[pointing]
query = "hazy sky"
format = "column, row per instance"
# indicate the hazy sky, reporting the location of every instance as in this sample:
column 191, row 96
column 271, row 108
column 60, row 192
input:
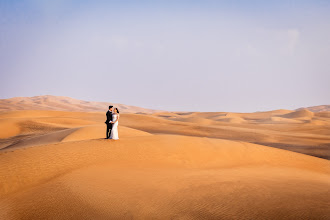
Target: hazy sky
column 202, row 55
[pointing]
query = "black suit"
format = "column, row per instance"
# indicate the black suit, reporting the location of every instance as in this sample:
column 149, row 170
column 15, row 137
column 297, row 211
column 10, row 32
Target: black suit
column 109, row 125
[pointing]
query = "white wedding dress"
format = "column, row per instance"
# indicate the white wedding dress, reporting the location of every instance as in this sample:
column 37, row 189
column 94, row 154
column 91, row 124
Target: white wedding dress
column 114, row 130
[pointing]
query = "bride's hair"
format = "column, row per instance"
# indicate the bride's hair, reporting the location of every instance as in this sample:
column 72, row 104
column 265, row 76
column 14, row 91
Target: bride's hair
column 117, row 110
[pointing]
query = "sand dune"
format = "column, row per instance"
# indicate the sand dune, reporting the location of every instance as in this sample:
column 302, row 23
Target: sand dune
column 299, row 114
column 195, row 120
column 161, row 176
column 323, row 114
column 297, row 134
column 281, row 120
column 62, row 103
column 8, row 128
column 319, row 108
column 230, row 118
column 98, row 132
column 35, row 140
column 178, row 165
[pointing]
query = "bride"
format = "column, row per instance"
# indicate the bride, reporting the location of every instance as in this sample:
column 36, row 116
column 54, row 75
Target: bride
column 115, row 119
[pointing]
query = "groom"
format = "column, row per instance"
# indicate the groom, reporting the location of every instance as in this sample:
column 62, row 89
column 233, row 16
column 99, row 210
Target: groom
column 108, row 121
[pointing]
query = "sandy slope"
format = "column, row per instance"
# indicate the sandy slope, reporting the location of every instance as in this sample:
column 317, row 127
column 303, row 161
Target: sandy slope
column 192, row 165
column 162, row 176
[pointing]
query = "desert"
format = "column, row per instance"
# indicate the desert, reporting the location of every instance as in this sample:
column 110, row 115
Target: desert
column 166, row 165
column 169, row 110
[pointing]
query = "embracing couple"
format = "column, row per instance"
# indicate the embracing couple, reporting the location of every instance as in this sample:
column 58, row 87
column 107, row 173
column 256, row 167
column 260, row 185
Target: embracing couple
column 112, row 123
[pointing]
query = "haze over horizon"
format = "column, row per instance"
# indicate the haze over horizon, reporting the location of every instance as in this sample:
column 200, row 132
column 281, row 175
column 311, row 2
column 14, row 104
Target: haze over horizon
column 169, row 55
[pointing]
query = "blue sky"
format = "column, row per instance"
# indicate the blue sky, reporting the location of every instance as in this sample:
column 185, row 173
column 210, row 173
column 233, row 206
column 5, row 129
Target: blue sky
column 241, row 56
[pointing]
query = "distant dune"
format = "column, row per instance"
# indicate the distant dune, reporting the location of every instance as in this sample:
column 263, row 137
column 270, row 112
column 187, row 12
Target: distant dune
column 61, row 103
column 319, row 108
column 299, row 114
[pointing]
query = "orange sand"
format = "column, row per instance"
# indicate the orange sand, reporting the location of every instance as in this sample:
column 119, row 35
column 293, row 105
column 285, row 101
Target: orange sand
column 56, row 165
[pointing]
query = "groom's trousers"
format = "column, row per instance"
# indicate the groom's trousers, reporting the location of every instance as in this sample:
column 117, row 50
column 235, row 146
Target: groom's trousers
column 109, row 127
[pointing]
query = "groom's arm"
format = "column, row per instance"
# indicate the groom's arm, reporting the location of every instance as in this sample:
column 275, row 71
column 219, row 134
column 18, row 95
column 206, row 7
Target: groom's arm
column 109, row 117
